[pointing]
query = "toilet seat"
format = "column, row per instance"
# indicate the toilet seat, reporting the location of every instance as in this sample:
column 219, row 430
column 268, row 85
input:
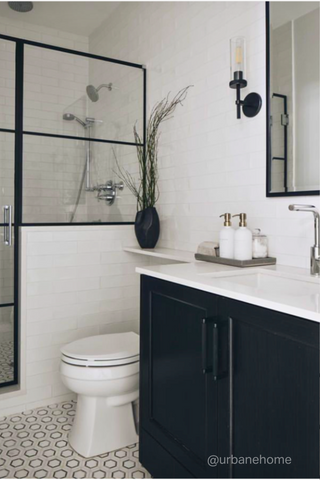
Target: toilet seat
column 102, row 350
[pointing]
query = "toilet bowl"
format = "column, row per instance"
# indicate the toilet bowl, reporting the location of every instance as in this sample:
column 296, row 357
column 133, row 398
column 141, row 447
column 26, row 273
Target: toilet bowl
column 104, row 372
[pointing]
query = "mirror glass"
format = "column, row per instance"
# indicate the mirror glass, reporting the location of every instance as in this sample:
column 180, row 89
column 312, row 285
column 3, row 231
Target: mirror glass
column 293, row 85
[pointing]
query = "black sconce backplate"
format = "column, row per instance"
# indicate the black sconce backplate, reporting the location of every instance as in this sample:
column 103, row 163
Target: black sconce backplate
column 252, row 104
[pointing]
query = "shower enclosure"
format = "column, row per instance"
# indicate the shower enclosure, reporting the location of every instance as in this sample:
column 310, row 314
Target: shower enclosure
column 66, row 123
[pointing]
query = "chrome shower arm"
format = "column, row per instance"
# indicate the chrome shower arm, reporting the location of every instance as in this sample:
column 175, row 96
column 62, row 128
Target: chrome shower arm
column 104, row 85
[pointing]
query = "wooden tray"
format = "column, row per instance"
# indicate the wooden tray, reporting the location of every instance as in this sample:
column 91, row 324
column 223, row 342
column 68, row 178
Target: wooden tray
column 254, row 262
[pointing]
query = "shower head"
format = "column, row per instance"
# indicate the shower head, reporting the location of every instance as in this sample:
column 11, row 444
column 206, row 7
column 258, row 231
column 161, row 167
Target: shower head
column 92, row 91
column 21, row 7
column 70, row 117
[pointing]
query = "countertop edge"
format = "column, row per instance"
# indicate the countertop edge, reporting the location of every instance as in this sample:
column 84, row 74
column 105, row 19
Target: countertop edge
column 259, row 302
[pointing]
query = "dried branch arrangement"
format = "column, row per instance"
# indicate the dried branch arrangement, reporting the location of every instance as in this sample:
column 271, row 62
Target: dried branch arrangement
column 146, row 189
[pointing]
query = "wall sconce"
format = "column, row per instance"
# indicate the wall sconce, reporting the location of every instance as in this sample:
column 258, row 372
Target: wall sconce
column 251, row 105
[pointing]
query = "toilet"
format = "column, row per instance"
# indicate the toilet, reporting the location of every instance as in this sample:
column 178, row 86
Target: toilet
column 104, row 372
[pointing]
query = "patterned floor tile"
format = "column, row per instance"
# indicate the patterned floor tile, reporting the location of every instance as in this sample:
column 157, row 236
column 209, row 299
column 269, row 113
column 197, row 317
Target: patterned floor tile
column 34, row 444
column 6, row 361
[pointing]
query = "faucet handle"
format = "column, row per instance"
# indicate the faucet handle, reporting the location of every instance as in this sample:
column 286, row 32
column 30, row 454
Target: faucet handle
column 301, row 207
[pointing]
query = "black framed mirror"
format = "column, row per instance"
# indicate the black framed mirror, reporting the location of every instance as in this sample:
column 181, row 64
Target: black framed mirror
column 293, row 98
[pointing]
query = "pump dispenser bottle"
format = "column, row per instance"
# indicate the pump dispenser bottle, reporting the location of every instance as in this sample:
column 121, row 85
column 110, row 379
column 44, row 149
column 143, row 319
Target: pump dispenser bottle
column 226, row 240
column 242, row 239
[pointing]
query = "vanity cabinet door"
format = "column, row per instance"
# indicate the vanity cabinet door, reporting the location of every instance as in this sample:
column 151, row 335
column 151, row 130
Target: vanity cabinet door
column 275, row 391
column 178, row 394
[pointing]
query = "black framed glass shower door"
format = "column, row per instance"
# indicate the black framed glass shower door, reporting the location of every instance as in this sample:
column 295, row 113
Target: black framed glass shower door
column 14, row 135
column 8, row 216
column 8, row 308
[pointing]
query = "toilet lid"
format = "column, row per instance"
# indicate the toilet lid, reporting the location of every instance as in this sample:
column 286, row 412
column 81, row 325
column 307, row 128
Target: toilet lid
column 103, row 350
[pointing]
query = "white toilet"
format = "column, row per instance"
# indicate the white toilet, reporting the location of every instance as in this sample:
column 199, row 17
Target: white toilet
column 104, row 372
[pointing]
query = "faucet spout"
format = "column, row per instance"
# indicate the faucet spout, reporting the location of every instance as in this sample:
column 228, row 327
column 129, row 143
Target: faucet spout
column 315, row 250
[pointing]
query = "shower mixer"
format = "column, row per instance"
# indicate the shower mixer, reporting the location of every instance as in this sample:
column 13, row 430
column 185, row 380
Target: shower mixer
column 108, row 191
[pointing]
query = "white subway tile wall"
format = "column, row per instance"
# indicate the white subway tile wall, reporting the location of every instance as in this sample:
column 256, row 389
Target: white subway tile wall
column 210, row 162
column 75, row 282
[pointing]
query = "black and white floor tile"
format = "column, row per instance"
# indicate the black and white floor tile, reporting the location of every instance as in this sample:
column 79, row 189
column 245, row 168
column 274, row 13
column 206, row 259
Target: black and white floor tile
column 34, row 444
column 6, row 361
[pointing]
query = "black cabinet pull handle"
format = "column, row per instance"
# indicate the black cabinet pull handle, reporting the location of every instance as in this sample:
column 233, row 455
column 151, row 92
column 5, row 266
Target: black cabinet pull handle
column 215, row 352
column 205, row 368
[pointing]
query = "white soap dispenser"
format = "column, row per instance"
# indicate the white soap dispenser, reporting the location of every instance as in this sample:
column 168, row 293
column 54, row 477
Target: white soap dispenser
column 226, row 238
column 242, row 239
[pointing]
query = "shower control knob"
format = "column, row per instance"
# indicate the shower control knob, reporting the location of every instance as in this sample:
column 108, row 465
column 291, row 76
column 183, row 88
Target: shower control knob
column 119, row 186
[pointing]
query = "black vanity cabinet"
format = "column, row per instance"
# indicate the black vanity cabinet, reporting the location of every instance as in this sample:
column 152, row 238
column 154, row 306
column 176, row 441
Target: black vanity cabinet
column 178, row 397
column 225, row 378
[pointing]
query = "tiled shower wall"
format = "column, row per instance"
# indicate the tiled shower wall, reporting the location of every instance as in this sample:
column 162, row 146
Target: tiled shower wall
column 210, row 162
column 54, row 84
column 75, row 282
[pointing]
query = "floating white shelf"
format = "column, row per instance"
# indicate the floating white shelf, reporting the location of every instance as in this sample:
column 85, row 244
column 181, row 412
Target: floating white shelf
column 165, row 253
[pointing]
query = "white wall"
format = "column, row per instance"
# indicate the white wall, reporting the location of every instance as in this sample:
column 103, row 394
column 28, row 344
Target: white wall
column 210, row 162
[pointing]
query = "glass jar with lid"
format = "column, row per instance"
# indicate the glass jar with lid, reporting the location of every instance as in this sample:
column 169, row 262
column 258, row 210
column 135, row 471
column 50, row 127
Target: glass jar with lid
column 259, row 244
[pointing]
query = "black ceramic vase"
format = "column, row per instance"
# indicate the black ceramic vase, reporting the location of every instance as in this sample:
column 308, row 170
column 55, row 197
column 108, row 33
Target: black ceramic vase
column 147, row 227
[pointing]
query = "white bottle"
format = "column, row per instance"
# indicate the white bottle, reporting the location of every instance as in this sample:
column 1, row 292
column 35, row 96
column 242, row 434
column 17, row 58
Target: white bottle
column 226, row 238
column 242, row 240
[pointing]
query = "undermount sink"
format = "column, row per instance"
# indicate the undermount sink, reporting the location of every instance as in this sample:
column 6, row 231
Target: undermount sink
column 267, row 283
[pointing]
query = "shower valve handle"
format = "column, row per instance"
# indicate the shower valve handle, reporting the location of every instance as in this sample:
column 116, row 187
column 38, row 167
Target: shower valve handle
column 119, row 186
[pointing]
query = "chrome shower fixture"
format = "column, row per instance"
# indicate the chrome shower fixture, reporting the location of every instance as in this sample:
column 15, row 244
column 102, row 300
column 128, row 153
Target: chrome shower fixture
column 108, row 191
column 21, row 7
column 70, row 117
column 87, row 124
column 89, row 121
column 92, row 91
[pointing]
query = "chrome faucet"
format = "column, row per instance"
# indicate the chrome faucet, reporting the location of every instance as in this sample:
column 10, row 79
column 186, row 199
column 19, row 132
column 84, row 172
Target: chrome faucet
column 315, row 250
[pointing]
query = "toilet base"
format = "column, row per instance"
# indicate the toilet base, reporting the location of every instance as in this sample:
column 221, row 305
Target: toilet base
column 100, row 427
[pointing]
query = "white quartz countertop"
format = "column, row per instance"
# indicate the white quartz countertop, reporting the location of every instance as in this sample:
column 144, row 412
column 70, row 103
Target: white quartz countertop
column 284, row 289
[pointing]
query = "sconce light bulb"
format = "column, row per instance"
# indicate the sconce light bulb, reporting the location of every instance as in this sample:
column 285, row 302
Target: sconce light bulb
column 239, row 55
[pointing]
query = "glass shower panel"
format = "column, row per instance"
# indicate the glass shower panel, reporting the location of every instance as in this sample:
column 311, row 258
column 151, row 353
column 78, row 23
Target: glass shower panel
column 53, row 82
column 62, row 177
column 7, row 84
column 6, row 272
column 66, row 94
column 6, row 218
column 115, row 100
column 105, row 164
column 53, row 173
column 6, row 345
